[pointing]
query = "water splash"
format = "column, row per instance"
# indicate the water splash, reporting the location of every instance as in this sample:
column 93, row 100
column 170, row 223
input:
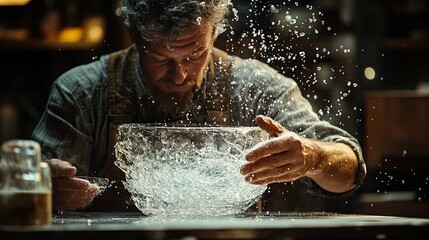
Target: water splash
column 198, row 20
column 289, row 36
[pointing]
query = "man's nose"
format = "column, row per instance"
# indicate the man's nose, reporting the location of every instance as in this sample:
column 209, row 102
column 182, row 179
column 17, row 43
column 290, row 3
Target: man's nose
column 180, row 73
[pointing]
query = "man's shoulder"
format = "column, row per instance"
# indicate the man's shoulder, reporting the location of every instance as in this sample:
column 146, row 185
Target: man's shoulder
column 238, row 62
column 250, row 65
column 96, row 72
column 86, row 76
column 258, row 72
column 91, row 79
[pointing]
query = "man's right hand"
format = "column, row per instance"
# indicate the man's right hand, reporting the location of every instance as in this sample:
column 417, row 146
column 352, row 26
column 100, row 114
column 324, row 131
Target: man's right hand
column 69, row 193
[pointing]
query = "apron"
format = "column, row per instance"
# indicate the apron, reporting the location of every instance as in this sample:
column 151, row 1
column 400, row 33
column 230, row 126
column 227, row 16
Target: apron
column 121, row 106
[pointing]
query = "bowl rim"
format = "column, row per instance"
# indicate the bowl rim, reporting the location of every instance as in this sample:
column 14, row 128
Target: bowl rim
column 204, row 127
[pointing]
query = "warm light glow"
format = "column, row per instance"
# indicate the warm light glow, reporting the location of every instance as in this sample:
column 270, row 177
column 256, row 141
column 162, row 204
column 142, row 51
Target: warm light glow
column 14, row 2
column 70, row 34
column 369, row 73
column 94, row 29
column 95, row 33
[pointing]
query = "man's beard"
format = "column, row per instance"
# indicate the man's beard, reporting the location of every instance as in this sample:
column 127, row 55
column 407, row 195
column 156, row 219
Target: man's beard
column 174, row 104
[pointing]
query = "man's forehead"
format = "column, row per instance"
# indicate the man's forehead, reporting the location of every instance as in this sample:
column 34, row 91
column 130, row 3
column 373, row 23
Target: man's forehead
column 165, row 47
column 196, row 35
column 185, row 40
column 189, row 44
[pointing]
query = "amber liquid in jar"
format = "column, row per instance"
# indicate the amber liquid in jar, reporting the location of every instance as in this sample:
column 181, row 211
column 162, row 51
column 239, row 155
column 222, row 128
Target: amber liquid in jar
column 25, row 208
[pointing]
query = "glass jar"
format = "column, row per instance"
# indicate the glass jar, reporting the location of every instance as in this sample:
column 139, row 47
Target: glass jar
column 25, row 185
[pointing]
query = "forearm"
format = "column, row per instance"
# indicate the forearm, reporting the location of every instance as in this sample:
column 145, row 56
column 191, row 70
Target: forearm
column 334, row 167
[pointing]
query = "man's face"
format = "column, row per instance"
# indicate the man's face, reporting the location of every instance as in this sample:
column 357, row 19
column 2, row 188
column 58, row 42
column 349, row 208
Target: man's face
column 173, row 68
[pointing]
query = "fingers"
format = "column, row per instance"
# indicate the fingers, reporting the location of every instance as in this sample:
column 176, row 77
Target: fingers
column 69, row 184
column 284, row 143
column 279, row 159
column 73, row 193
column 60, row 168
column 282, row 167
column 268, row 162
column 287, row 177
column 269, row 125
column 69, row 193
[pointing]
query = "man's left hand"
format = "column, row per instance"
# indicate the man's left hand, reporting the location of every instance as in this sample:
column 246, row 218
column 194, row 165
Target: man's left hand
column 282, row 158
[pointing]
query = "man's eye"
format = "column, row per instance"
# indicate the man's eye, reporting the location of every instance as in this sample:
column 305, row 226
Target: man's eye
column 163, row 61
column 193, row 58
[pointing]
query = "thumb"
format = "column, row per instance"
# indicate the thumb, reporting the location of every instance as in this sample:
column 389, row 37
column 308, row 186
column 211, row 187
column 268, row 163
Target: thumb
column 60, row 168
column 269, row 125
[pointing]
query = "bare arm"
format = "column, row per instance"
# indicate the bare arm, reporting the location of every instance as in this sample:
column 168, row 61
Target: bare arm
column 287, row 156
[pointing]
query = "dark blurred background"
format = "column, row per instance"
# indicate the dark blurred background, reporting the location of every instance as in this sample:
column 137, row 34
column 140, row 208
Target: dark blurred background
column 362, row 64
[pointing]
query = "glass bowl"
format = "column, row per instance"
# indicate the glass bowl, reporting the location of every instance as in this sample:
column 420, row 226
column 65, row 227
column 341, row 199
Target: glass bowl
column 187, row 170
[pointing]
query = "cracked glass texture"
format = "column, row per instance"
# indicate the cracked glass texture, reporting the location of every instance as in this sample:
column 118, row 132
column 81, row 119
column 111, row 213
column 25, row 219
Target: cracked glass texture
column 187, row 170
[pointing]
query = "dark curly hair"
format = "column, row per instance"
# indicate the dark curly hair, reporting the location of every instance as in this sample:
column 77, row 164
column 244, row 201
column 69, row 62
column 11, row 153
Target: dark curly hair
column 161, row 19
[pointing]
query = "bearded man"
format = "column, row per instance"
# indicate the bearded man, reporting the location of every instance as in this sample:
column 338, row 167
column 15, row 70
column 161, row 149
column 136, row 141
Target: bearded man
column 173, row 74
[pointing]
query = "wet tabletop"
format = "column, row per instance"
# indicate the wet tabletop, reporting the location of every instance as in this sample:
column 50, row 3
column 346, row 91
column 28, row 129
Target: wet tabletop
column 247, row 220
column 245, row 226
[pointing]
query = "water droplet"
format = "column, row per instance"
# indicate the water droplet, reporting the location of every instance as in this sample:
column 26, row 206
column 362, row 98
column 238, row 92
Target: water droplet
column 198, row 20
column 235, row 12
column 273, row 9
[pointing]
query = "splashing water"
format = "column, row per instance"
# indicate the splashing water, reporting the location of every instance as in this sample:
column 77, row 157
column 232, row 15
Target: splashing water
column 294, row 39
column 187, row 170
column 198, row 20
